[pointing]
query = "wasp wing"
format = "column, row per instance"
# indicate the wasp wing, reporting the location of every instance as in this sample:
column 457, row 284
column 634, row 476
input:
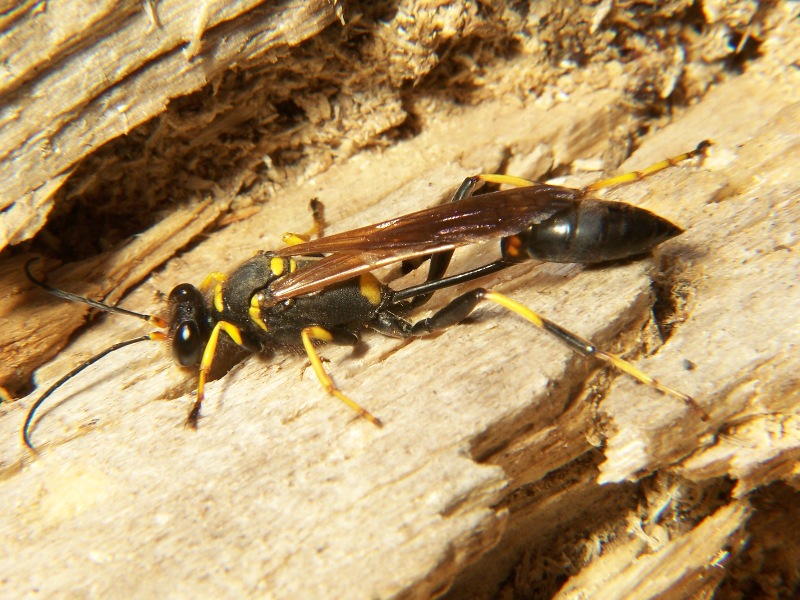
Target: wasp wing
column 439, row 228
column 342, row 266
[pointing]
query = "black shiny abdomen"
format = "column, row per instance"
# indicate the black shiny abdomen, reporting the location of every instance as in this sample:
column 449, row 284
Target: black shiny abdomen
column 593, row 231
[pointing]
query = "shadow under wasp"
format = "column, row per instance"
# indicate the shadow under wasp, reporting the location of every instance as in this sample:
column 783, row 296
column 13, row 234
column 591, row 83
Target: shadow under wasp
column 323, row 291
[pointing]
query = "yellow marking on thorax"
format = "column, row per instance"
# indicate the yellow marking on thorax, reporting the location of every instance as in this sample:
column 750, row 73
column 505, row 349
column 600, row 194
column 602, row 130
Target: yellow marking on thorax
column 217, row 278
column 255, row 313
column 276, row 265
column 370, row 288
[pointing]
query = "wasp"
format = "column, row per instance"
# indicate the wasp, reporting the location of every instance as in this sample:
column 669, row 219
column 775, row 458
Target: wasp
column 324, row 290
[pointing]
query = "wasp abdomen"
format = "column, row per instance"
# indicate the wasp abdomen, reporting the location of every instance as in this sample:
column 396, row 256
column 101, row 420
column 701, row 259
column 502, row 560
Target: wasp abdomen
column 594, row 231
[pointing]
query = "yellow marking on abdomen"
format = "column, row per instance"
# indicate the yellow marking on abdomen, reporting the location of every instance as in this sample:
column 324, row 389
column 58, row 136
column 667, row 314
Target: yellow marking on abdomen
column 370, row 288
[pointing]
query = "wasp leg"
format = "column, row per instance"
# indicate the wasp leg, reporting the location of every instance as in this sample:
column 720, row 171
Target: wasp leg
column 439, row 262
column 461, row 307
column 217, row 279
column 429, row 287
column 506, row 179
column 205, row 366
column 436, row 280
column 318, row 214
column 639, row 175
column 603, row 183
column 340, row 337
column 509, row 245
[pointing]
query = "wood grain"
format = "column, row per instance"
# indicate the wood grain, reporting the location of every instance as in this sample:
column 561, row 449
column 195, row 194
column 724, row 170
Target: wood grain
column 499, row 443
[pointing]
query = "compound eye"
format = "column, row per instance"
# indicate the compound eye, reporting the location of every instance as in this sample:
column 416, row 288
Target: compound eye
column 187, row 344
column 183, row 293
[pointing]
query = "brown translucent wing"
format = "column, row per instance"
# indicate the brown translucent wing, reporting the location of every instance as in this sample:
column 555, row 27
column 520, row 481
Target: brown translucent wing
column 341, row 266
column 445, row 227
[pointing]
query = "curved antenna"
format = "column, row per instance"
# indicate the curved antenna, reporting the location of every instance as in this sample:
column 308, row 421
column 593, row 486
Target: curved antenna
column 157, row 321
column 156, row 335
column 26, row 437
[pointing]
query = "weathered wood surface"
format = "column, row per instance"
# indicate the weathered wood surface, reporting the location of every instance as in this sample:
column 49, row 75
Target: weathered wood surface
column 737, row 258
column 132, row 59
column 283, row 493
column 112, row 66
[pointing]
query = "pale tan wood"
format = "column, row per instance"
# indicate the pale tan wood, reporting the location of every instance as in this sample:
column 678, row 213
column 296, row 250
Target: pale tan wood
column 136, row 68
column 656, row 574
column 738, row 259
column 151, row 376
column 40, row 328
column 283, row 493
column 112, row 66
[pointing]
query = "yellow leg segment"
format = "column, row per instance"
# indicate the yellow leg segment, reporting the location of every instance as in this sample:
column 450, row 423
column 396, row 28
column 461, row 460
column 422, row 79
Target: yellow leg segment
column 586, row 347
column 506, row 179
column 205, row 366
column 217, row 279
column 604, row 183
column 639, row 175
column 293, row 239
column 318, row 333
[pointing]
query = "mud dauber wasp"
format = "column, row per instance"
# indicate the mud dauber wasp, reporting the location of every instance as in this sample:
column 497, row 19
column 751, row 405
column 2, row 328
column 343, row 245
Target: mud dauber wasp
column 324, row 290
